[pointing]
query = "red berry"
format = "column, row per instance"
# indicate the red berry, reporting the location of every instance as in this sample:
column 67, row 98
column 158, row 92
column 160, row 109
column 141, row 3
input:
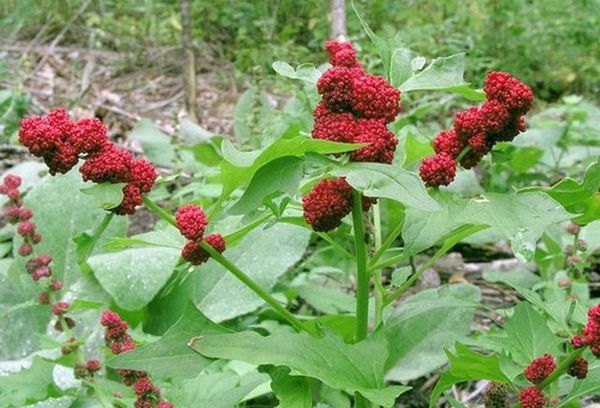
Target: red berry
column 382, row 142
column 60, row 308
column 164, row 404
column 341, row 54
column 132, row 197
column 374, row 98
column 25, row 249
column 43, row 260
column 336, row 87
column 43, row 298
column 506, row 89
column 143, row 175
column 25, row 214
column 144, row 386
column 191, row 221
column 12, row 213
column 468, row 123
column 196, row 255
column 579, row 368
column 438, row 170
column 26, row 229
column 573, row 228
column 532, row 398
column 337, row 127
column 110, row 164
column 540, row 368
column 448, row 142
column 327, row 204
column 11, row 181
column 56, row 284
column 88, row 135
column 578, row 341
column 41, row 272
column 92, row 365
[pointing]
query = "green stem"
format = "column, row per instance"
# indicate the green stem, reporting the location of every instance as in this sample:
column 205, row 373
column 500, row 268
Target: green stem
column 386, row 244
column 388, row 262
column 335, row 245
column 252, row 285
column 562, row 368
column 377, row 280
column 362, row 274
column 463, row 153
column 100, row 228
column 156, row 209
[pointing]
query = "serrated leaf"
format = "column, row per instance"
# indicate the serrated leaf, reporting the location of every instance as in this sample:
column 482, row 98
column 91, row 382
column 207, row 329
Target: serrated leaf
column 467, row 365
column 157, row 146
column 351, row 367
column 387, row 181
column 420, row 328
column 170, row 356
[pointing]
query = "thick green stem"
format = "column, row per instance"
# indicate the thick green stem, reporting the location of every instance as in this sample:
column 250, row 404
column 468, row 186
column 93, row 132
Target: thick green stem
column 362, row 274
column 252, row 285
column 156, row 209
column 562, row 368
column 379, row 289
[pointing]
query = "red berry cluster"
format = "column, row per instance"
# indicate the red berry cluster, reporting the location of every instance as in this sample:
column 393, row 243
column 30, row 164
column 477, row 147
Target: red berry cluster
column 118, row 341
column 192, row 222
column 579, row 368
column 540, row 368
column 62, row 142
column 38, row 266
column 356, row 108
column 532, row 397
column 478, row 129
column 591, row 332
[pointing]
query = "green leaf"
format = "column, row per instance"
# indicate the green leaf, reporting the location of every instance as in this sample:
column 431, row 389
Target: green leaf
column 62, row 212
column 157, row 146
column 400, row 275
column 170, row 356
column 387, row 181
column 421, row 327
column 580, row 198
column 444, row 73
column 291, row 391
column 467, row 365
column 29, row 385
column 304, row 72
column 20, row 322
column 193, row 133
column 239, row 167
column 281, row 175
column 105, row 195
column 135, row 275
column 221, row 296
column 589, row 386
column 215, row 390
column 350, row 367
column 326, row 299
column 522, row 218
column 528, row 336
column 519, row 276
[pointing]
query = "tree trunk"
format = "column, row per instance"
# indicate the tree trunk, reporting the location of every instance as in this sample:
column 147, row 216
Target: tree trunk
column 189, row 75
column 338, row 20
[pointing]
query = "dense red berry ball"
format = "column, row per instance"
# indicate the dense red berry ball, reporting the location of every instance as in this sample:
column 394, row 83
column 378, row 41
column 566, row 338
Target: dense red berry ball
column 12, row 214
column 494, row 115
column 336, row 87
column 579, row 368
column 60, row 308
column 327, row 204
column 11, row 181
column 143, row 175
column 503, row 87
column 132, row 197
column 191, row 221
column 88, row 135
column 92, row 365
column 382, row 142
column 374, row 98
column 41, row 272
column 164, row 404
column 196, row 255
column 110, row 319
column 25, row 249
column 448, row 142
column 26, row 229
column 468, row 123
column 337, row 127
column 109, row 165
column 144, row 386
column 540, row 368
column 532, row 398
column 341, row 53
column 438, row 170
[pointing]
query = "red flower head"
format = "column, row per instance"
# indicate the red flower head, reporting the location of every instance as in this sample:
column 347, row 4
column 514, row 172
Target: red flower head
column 328, row 202
column 110, row 319
column 382, row 142
column 494, row 116
column 25, row 249
column 191, row 221
column 336, row 87
column 60, row 308
column 374, row 98
column 92, row 365
column 196, row 255
column 144, row 386
column 132, row 197
column 12, row 213
column 26, row 229
column 88, row 135
column 143, row 175
column 25, row 214
column 532, row 398
column 43, row 298
column 579, row 368
column 12, row 182
column 164, row 404
column 468, row 123
column 341, row 54
column 438, row 170
column 506, row 89
column 447, row 141
column 540, row 368
column 41, row 272
column 111, row 164
column 337, row 127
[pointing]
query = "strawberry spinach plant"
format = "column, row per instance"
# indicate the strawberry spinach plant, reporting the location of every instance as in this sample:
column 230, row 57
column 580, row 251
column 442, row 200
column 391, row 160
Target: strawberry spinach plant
column 285, row 276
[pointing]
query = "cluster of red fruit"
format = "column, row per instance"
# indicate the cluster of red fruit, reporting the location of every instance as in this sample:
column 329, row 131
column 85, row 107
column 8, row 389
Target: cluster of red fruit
column 476, row 130
column 192, row 223
column 38, row 266
column 591, row 332
column 118, row 341
column 61, row 142
column 356, row 108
